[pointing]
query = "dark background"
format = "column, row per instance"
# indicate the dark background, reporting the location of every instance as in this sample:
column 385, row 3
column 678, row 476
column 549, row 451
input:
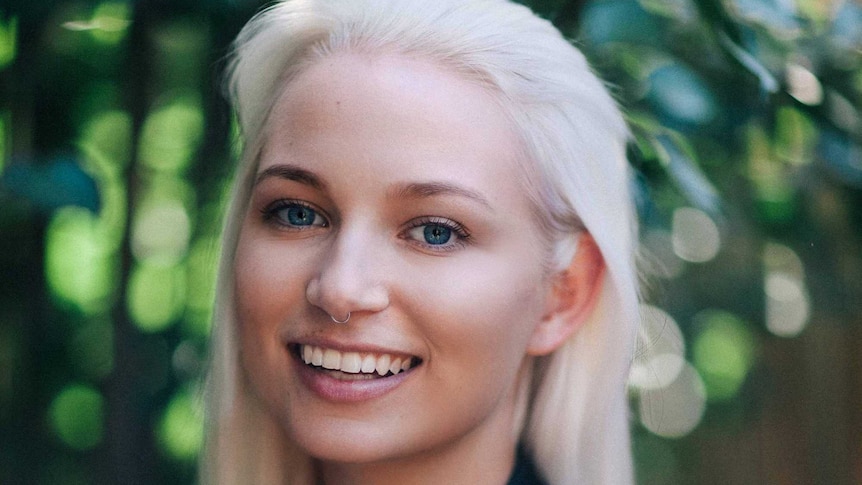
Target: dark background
column 116, row 151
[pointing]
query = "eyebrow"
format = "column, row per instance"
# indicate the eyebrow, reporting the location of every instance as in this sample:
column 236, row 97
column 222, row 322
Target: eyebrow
column 432, row 189
column 291, row 172
column 411, row 190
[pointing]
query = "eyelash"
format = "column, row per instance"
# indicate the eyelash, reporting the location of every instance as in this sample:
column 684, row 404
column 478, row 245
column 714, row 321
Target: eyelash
column 462, row 235
column 270, row 214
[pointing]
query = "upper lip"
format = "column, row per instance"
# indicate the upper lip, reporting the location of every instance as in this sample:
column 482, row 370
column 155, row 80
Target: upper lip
column 351, row 346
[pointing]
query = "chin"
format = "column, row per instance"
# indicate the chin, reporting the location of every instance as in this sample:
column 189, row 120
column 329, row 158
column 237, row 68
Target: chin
column 348, row 442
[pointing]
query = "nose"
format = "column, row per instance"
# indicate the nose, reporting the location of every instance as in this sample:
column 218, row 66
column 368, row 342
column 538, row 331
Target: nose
column 348, row 279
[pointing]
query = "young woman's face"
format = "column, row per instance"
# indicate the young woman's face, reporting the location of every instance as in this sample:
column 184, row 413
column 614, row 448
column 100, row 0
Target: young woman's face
column 388, row 190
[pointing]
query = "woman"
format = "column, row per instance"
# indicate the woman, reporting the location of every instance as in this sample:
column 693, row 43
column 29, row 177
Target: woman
column 428, row 272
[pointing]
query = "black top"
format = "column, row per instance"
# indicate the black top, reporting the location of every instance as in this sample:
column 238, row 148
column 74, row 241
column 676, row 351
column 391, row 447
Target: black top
column 525, row 472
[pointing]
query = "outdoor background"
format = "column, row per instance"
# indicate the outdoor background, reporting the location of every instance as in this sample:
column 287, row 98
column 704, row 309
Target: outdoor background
column 115, row 152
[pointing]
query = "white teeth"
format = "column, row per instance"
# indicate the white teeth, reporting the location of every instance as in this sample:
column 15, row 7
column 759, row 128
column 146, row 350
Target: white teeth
column 395, row 367
column 331, row 359
column 354, row 362
column 383, row 364
column 351, row 362
column 369, row 363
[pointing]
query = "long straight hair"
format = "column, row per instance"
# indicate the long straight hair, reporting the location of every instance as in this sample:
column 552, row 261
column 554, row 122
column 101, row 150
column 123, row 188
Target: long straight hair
column 574, row 419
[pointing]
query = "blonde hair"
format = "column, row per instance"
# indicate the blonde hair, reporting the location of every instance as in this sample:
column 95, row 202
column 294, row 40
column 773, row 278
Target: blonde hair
column 575, row 421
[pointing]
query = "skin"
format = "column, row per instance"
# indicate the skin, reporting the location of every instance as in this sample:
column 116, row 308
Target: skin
column 374, row 146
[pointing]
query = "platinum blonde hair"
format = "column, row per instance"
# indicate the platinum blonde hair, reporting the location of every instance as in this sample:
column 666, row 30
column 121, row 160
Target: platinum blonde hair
column 574, row 422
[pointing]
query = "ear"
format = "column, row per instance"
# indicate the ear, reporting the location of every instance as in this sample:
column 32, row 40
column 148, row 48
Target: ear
column 572, row 297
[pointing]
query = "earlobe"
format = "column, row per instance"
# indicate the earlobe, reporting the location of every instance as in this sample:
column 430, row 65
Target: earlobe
column 573, row 295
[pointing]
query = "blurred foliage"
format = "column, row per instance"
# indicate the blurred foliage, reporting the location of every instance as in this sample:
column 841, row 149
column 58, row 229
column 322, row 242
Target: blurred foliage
column 746, row 137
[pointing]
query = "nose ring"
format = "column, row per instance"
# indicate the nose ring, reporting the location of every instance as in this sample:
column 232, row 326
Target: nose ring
column 341, row 321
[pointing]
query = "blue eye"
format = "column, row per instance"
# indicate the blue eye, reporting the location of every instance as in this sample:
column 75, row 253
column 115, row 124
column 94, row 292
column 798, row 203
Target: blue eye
column 293, row 215
column 298, row 215
column 436, row 234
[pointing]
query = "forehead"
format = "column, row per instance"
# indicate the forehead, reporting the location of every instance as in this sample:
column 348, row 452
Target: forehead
column 409, row 85
column 397, row 113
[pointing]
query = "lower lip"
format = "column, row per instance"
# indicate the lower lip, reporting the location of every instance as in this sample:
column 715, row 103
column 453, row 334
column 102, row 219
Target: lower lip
column 345, row 391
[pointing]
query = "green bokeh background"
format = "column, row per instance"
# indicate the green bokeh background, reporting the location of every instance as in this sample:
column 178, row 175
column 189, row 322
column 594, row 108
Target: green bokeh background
column 116, row 149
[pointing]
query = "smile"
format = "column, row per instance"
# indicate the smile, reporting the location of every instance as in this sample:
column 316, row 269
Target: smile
column 357, row 364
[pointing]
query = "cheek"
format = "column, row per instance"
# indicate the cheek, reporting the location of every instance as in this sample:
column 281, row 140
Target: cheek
column 477, row 323
column 255, row 281
column 265, row 291
column 254, row 304
column 268, row 277
column 484, row 314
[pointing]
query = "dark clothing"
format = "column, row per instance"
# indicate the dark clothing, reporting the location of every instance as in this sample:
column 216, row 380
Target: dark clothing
column 525, row 472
